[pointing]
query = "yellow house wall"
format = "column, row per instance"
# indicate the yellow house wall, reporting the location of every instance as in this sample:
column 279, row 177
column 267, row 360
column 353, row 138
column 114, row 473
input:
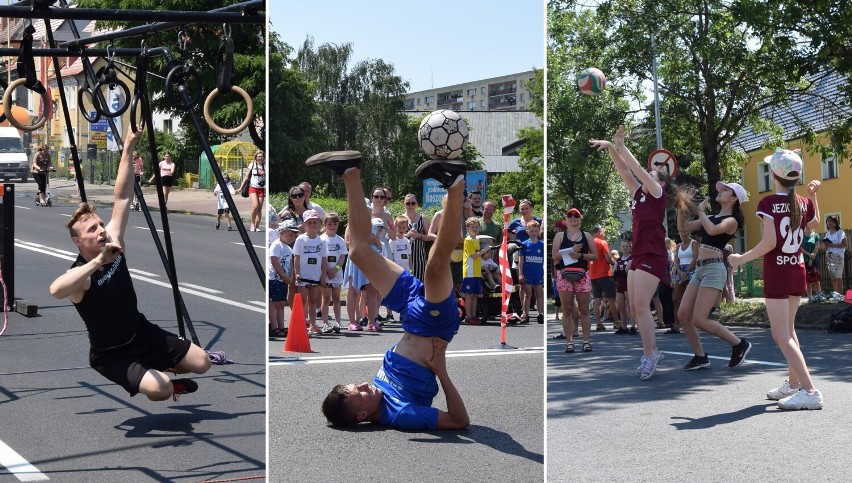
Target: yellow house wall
column 834, row 196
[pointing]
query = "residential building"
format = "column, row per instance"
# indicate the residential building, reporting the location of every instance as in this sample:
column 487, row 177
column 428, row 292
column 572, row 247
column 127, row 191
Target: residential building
column 505, row 93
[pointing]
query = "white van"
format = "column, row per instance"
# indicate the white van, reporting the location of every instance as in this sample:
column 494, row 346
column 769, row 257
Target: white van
column 14, row 162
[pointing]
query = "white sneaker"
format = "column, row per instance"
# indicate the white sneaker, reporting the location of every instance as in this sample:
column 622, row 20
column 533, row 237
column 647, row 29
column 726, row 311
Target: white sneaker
column 648, row 364
column 781, row 392
column 836, row 297
column 802, row 400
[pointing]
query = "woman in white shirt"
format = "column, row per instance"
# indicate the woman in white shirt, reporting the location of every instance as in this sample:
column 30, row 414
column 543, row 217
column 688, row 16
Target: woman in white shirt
column 835, row 248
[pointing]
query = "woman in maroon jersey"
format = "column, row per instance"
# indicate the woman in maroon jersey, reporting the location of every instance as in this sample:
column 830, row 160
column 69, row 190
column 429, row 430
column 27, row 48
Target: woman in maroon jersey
column 784, row 216
column 710, row 273
column 650, row 261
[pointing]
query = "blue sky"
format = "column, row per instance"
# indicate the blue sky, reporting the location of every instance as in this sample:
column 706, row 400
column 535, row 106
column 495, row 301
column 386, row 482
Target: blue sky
column 430, row 44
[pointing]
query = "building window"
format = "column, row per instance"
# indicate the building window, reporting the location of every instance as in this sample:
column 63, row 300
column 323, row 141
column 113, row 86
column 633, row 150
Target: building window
column 167, row 125
column 829, row 166
column 763, row 183
column 522, row 96
column 471, row 92
column 482, row 90
column 418, row 101
column 482, row 103
column 71, row 97
column 471, row 105
column 430, row 99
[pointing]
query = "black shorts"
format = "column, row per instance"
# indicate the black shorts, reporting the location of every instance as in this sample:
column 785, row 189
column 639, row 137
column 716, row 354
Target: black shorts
column 167, row 180
column 41, row 181
column 151, row 348
column 223, row 211
column 603, row 286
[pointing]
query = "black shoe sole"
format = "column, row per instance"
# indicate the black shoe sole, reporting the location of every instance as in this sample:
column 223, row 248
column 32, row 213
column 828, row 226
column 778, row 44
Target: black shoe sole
column 190, row 386
column 444, row 171
column 337, row 161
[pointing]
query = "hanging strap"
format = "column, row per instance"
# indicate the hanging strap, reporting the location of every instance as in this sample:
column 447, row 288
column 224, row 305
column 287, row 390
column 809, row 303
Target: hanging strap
column 225, row 62
column 26, row 62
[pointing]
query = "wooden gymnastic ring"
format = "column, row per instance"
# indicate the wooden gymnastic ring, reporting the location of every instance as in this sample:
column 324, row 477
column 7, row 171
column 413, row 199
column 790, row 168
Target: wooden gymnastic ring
column 219, row 129
column 7, row 107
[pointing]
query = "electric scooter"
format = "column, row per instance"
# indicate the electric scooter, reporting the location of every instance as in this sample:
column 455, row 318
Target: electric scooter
column 47, row 201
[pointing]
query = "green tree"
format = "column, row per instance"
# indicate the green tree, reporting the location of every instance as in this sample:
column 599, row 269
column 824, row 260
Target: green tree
column 292, row 109
column 715, row 73
column 576, row 175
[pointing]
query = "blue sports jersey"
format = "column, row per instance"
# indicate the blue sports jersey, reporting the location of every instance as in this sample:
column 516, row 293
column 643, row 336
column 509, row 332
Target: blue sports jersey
column 407, row 392
column 533, row 254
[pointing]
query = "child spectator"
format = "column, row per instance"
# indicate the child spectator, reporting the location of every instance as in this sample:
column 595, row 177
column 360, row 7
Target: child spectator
column 309, row 258
column 222, row 208
column 336, row 252
column 531, row 271
column 472, row 280
column 490, row 269
column 400, row 248
column 280, row 277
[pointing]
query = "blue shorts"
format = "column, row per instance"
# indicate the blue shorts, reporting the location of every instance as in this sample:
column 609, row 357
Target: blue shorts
column 534, row 281
column 471, row 285
column 419, row 317
column 277, row 291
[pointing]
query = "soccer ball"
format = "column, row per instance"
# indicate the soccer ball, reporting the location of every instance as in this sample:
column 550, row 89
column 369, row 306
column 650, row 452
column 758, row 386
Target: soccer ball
column 591, row 81
column 443, row 134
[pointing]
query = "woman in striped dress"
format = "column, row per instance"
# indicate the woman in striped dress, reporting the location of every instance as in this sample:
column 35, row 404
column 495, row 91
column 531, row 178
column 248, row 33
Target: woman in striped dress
column 418, row 235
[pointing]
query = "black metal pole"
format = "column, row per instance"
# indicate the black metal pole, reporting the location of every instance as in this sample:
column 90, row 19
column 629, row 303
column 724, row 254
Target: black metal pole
column 231, row 14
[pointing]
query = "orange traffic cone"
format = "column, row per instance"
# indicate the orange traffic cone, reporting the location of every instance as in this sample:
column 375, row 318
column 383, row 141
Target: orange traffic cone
column 297, row 333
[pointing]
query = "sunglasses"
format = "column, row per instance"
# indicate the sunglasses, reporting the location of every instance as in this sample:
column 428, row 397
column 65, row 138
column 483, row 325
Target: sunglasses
column 380, row 197
column 297, row 195
column 572, row 215
column 410, row 203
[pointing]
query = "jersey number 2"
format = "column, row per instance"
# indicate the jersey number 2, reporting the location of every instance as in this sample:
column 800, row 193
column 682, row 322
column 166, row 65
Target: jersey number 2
column 792, row 238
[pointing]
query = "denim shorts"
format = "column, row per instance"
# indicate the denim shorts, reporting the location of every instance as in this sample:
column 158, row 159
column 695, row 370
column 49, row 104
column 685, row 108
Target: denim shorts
column 712, row 275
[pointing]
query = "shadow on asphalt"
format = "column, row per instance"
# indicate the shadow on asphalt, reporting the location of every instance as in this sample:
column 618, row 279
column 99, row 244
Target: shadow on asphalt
column 497, row 440
column 170, row 424
column 599, row 380
column 724, row 418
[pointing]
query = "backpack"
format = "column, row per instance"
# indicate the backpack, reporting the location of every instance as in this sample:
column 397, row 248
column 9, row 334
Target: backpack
column 841, row 322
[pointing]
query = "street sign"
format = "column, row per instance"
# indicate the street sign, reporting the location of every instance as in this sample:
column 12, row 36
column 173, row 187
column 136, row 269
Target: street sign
column 663, row 160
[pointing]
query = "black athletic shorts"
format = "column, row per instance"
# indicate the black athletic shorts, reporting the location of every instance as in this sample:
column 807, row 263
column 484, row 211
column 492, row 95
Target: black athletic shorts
column 151, row 348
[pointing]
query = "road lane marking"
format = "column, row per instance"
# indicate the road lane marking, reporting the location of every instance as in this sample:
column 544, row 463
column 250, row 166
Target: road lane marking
column 747, row 361
column 18, row 466
column 242, row 245
column 258, row 302
column 24, row 207
column 142, row 272
column 299, row 360
column 199, row 287
column 159, row 230
column 198, row 293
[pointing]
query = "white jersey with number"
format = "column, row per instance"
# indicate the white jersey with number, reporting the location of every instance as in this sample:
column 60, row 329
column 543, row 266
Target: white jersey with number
column 335, row 249
column 311, row 252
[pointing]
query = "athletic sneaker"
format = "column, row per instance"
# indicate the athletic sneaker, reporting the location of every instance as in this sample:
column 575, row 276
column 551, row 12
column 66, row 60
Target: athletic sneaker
column 446, row 172
column 540, row 318
column 601, row 327
column 785, row 390
column 835, row 297
column 374, row 326
column 335, row 327
column 715, row 312
column 697, row 362
column 183, row 386
column 802, row 400
column 337, row 161
column 739, row 353
column 363, row 322
column 354, row 327
column 648, row 364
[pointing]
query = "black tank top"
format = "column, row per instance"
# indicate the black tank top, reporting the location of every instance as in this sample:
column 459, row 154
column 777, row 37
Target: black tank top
column 567, row 242
column 716, row 241
column 109, row 306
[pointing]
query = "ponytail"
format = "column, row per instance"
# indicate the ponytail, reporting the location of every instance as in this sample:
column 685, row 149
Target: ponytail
column 792, row 200
column 737, row 213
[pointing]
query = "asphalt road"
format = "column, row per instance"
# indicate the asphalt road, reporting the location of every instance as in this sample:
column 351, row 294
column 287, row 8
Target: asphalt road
column 71, row 424
column 503, row 391
column 714, row 424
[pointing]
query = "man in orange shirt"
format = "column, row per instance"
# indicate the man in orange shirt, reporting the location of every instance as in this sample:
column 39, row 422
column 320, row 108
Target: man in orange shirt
column 600, row 272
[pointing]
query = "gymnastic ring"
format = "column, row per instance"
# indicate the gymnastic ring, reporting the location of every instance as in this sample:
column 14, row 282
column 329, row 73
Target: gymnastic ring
column 181, row 77
column 104, row 110
column 97, row 116
column 7, row 107
column 246, row 121
column 136, row 100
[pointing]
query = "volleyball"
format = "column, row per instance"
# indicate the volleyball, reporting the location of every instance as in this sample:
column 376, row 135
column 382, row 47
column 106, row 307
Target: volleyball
column 591, row 81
